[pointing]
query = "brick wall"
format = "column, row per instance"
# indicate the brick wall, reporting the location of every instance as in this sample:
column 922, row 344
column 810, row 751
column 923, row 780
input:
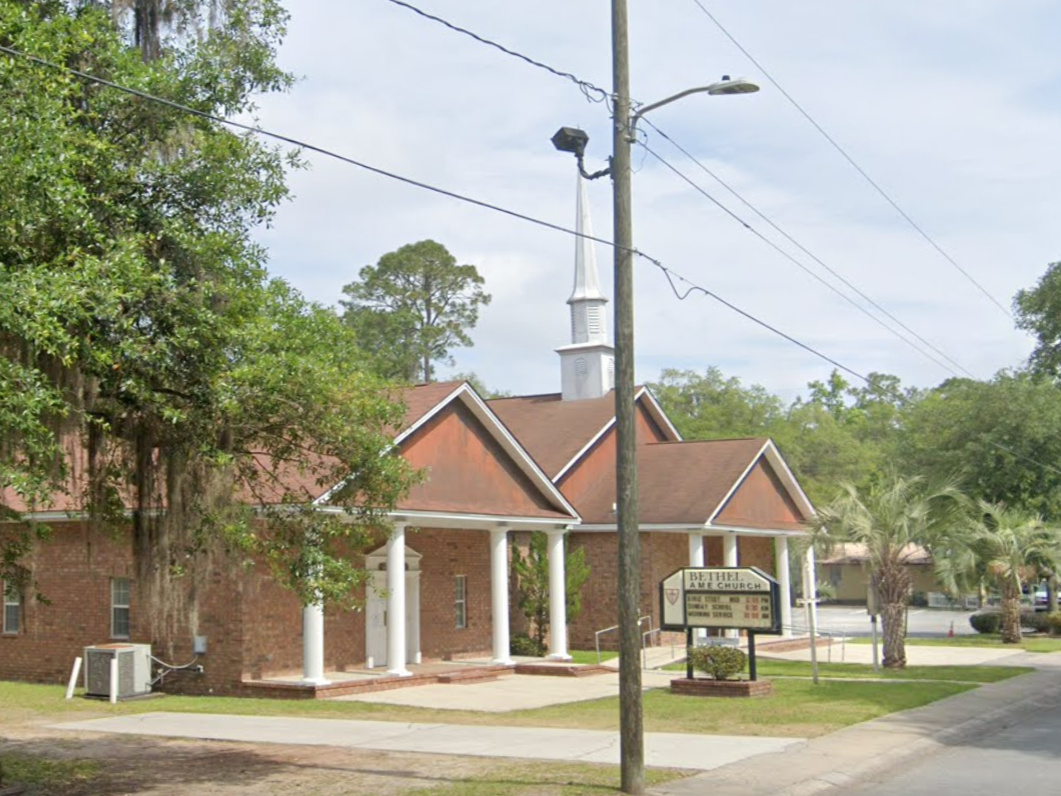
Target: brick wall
column 446, row 554
column 73, row 570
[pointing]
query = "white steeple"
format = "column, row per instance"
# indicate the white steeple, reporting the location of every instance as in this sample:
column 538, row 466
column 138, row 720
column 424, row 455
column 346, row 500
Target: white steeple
column 587, row 366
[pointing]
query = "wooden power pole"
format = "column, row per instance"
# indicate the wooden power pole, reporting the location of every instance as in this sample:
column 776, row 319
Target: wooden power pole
column 631, row 719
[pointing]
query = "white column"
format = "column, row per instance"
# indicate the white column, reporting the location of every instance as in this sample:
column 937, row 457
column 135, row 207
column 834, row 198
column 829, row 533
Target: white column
column 499, row 593
column 730, row 559
column 784, row 580
column 396, row 603
column 729, row 550
column 313, row 644
column 557, row 598
column 696, row 550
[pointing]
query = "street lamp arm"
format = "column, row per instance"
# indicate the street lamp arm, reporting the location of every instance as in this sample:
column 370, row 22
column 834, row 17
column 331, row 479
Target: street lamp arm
column 651, row 107
column 726, row 85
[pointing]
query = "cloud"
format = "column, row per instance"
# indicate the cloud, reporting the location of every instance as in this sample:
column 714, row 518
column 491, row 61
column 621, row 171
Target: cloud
column 953, row 107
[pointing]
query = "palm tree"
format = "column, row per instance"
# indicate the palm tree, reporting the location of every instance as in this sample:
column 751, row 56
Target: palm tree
column 1013, row 547
column 893, row 518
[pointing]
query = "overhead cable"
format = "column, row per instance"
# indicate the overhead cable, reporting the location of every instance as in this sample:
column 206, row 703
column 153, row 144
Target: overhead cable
column 591, row 92
column 792, row 259
column 851, row 161
column 803, row 249
column 670, row 274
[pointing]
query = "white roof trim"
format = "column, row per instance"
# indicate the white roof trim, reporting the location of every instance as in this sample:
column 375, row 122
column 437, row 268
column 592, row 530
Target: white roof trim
column 430, row 413
column 770, row 451
column 513, row 448
column 488, row 521
column 470, row 398
column 736, row 484
column 697, row 530
column 787, row 476
column 585, row 449
column 654, row 409
column 736, row 530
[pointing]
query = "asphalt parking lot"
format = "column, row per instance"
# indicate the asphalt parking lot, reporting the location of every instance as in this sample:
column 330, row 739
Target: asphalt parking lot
column 852, row 620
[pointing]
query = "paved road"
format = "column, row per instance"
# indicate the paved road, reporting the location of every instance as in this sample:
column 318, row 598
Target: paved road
column 1023, row 756
column 852, row 620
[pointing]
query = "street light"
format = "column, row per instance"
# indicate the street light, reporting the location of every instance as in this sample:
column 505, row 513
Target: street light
column 631, row 718
column 723, row 87
column 574, row 140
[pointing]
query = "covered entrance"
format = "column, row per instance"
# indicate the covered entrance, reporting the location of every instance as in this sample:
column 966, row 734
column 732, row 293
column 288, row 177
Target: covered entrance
column 376, row 607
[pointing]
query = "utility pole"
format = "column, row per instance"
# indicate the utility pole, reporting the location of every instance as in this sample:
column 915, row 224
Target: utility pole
column 631, row 716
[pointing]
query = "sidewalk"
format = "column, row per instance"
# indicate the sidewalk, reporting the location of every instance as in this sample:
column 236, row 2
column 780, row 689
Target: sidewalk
column 883, row 745
column 664, row 750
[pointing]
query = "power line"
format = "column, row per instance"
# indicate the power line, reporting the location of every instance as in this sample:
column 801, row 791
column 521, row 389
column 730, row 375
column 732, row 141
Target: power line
column 694, row 288
column 425, row 186
column 591, row 92
column 584, row 86
column 793, row 260
column 852, row 162
column 810, row 254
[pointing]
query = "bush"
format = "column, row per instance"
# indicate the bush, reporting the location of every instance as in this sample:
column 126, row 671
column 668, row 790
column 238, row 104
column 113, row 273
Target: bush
column 526, row 646
column 918, row 599
column 986, row 621
column 721, row 663
column 1053, row 623
column 1035, row 621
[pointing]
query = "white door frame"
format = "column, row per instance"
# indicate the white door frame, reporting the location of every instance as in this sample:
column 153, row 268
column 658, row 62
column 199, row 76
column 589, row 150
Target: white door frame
column 376, row 607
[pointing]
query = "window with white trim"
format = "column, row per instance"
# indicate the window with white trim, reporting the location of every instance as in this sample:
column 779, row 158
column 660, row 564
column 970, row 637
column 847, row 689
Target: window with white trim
column 120, row 589
column 460, row 601
column 12, row 610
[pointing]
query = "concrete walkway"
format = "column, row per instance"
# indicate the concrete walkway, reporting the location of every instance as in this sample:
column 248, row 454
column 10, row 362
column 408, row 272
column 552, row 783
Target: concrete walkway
column 666, row 750
column 783, row 766
column 833, row 763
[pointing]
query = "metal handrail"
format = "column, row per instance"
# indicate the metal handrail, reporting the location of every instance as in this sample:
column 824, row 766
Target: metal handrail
column 599, row 633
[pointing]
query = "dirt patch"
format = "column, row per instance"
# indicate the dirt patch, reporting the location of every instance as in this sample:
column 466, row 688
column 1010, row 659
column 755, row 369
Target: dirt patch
column 172, row 767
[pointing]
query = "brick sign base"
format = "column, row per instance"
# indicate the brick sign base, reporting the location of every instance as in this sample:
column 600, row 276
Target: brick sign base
column 700, row 686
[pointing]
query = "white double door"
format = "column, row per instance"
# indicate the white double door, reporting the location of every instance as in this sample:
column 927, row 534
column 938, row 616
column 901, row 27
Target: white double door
column 376, row 610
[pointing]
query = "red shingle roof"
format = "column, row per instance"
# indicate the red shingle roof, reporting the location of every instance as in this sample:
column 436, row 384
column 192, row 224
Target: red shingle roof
column 552, row 430
column 680, row 482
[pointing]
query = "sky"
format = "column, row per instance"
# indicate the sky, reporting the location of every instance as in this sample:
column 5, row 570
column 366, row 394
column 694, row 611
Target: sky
column 953, row 108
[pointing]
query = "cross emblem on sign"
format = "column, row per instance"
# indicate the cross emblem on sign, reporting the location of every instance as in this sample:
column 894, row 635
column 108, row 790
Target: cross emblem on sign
column 672, row 595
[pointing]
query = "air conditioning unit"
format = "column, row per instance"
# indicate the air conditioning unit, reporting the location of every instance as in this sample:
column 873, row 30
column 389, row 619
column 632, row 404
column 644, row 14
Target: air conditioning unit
column 134, row 669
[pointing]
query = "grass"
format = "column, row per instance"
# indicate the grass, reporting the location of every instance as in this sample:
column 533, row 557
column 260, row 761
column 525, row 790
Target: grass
column 797, row 708
column 1027, row 644
column 959, row 674
column 559, row 779
column 590, row 656
column 51, row 775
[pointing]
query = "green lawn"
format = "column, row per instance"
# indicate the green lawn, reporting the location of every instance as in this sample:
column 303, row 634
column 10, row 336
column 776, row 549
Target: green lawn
column 962, row 674
column 590, row 656
column 49, row 775
column 797, row 708
column 1028, row 644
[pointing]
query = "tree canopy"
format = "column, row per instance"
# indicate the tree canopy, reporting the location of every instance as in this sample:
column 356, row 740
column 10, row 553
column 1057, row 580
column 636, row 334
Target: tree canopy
column 413, row 307
column 142, row 343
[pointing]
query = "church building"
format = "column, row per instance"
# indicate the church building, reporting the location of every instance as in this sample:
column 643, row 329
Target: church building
column 439, row 585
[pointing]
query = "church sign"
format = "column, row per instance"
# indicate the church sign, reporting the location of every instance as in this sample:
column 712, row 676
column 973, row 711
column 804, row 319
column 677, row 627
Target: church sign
column 743, row 598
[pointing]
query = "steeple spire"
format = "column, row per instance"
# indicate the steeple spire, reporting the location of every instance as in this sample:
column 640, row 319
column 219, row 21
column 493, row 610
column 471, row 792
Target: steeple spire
column 588, row 364
column 587, row 280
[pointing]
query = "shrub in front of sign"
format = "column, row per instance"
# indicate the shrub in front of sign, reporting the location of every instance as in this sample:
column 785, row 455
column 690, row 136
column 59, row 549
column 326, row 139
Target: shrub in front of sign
column 986, row 621
column 721, row 663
